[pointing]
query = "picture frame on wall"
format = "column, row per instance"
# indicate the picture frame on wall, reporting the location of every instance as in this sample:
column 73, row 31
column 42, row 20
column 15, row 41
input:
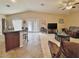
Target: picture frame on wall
column 61, row 21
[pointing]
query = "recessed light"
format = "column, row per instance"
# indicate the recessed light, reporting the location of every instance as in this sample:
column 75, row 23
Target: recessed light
column 14, row 1
column 7, row 5
column 42, row 4
column 69, row 7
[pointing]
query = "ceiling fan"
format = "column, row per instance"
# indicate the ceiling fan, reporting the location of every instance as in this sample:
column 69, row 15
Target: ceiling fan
column 68, row 4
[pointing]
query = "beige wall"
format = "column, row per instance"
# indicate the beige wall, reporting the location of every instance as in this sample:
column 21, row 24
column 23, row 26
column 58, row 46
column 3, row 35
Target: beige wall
column 72, row 19
column 45, row 18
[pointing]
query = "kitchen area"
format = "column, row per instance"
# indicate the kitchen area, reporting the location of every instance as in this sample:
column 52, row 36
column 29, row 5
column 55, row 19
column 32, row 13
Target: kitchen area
column 15, row 33
column 18, row 41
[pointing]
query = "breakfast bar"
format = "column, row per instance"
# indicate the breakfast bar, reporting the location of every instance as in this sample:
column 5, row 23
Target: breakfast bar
column 13, row 39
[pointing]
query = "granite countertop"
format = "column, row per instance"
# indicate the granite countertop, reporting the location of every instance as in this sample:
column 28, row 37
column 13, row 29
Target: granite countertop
column 5, row 31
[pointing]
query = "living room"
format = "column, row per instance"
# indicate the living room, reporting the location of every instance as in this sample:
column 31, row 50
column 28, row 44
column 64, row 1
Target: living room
column 38, row 26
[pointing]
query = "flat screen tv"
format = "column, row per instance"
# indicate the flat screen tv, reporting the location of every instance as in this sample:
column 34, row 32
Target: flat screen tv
column 52, row 25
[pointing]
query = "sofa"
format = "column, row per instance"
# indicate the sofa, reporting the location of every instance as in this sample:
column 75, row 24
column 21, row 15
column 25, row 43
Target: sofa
column 66, row 50
column 70, row 49
column 73, row 31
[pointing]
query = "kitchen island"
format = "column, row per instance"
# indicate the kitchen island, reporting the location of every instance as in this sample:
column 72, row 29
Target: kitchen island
column 13, row 39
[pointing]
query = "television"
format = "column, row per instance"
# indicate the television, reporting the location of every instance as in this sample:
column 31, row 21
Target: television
column 52, row 25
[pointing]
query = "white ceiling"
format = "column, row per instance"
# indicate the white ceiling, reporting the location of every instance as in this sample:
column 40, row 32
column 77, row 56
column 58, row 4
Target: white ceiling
column 51, row 6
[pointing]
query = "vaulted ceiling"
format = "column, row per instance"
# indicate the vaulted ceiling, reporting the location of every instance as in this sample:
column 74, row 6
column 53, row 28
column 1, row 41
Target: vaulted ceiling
column 16, row 6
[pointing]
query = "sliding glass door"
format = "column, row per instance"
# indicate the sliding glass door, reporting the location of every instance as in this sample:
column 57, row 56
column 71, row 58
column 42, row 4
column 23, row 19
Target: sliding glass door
column 33, row 25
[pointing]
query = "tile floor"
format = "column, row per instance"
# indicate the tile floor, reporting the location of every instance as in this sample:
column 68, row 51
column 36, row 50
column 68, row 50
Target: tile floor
column 31, row 49
column 37, row 47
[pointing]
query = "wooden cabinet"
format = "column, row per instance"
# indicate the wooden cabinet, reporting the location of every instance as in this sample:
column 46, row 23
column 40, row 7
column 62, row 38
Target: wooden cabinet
column 12, row 40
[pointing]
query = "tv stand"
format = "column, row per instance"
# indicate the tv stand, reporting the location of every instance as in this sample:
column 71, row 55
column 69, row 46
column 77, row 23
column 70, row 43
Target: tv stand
column 50, row 31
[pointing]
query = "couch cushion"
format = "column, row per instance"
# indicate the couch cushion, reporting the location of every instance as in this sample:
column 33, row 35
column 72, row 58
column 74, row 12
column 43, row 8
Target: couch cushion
column 73, row 28
column 70, row 49
column 53, row 48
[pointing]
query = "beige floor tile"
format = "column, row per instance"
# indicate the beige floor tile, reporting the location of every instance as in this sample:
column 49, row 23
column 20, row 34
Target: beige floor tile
column 32, row 49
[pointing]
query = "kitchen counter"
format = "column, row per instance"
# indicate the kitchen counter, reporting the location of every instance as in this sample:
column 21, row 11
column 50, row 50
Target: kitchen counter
column 13, row 39
column 5, row 31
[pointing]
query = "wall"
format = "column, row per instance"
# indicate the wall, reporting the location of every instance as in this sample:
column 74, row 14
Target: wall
column 1, row 35
column 45, row 18
column 72, row 19
column 1, row 16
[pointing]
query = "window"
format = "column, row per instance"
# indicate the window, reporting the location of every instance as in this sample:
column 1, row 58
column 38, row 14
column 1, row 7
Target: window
column 33, row 25
column 17, row 24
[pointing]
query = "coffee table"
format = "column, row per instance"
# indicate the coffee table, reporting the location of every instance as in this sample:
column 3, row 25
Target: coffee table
column 62, row 36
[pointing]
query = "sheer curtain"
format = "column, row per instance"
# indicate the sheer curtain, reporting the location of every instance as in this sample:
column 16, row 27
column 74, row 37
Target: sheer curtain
column 17, row 24
column 33, row 25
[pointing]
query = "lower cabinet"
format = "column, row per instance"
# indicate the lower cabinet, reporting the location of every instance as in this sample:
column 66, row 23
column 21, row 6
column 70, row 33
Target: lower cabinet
column 12, row 40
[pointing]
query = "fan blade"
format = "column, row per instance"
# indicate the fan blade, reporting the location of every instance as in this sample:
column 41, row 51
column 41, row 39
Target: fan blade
column 76, row 3
column 63, row 8
column 73, row 7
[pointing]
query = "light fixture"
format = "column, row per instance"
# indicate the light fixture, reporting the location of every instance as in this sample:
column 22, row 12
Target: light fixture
column 14, row 1
column 42, row 4
column 68, row 7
